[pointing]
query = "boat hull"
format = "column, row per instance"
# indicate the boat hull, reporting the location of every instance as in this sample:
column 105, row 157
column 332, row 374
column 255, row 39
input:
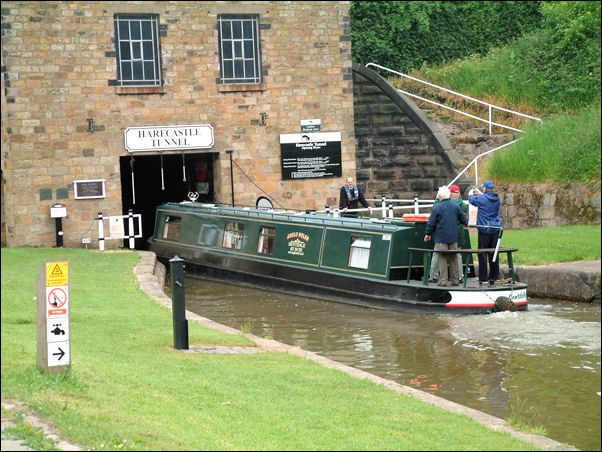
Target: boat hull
column 398, row 295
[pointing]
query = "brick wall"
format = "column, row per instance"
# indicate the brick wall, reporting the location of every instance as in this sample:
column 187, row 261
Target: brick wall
column 58, row 64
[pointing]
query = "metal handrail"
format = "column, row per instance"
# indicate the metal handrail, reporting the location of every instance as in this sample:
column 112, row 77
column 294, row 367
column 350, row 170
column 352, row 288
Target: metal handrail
column 476, row 167
column 490, row 107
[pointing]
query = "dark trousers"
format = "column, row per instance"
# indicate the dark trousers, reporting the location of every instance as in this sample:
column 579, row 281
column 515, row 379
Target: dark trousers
column 488, row 241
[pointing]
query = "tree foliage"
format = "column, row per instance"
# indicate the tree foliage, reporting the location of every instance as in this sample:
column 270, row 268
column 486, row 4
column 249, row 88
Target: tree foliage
column 405, row 35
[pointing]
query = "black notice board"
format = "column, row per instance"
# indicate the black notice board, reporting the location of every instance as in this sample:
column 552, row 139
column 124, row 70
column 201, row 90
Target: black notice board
column 85, row 189
column 310, row 156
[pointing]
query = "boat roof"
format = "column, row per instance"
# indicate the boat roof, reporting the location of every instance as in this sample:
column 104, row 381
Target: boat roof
column 381, row 224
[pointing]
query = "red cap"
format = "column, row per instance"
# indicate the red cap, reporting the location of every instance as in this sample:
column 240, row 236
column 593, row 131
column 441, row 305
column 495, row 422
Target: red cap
column 454, row 189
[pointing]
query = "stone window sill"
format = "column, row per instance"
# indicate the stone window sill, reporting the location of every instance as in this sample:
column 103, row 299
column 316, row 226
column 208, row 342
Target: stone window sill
column 140, row 90
column 231, row 88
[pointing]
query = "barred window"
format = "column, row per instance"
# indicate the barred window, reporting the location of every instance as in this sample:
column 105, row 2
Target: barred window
column 240, row 59
column 137, row 42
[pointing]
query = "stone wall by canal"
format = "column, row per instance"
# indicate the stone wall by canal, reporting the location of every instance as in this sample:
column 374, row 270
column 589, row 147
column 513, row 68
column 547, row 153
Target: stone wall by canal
column 527, row 206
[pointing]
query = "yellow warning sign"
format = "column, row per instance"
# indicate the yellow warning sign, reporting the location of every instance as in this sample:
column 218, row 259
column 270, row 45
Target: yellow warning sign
column 57, row 273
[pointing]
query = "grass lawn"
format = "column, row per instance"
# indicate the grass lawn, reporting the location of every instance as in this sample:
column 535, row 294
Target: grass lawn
column 544, row 246
column 128, row 389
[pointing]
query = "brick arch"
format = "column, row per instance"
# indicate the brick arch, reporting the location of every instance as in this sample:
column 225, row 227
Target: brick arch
column 399, row 151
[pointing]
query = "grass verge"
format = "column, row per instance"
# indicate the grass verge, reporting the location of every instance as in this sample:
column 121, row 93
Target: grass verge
column 549, row 245
column 128, row 389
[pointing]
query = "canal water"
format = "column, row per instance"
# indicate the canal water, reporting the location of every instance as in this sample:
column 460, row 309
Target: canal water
column 541, row 366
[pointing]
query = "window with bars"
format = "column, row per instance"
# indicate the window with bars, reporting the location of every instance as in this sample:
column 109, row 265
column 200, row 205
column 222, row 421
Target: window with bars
column 137, row 42
column 240, row 59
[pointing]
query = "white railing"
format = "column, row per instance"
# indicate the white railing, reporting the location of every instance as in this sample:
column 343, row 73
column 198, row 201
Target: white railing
column 387, row 208
column 490, row 107
column 474, row 162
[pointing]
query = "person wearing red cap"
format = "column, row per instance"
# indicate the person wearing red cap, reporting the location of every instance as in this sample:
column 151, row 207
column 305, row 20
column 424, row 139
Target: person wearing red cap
column 456, row 198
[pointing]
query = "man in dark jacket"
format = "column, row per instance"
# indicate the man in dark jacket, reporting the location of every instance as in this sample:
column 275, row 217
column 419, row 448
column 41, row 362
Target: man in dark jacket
column 488, row 202
column 443, row 221
column 350, row 196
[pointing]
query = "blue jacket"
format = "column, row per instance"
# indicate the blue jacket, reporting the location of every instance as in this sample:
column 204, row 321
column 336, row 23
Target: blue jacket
column 489, row 210
column 444, row 220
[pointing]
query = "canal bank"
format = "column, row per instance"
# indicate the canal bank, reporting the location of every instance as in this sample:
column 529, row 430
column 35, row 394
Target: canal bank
column 151, row 275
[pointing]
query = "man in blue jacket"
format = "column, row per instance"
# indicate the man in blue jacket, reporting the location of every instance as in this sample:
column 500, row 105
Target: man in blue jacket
column 488, row 202
column 443, row 221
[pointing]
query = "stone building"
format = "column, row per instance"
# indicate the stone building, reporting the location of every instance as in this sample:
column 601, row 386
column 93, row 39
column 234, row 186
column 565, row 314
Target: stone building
column 111, row 106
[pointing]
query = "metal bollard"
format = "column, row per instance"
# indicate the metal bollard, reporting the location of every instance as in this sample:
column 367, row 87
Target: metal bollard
column 178, row 303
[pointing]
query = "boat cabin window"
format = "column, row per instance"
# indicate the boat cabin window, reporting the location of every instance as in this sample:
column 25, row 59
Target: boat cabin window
column 171, row 227
column 265, row 243
column 359, row 252
column 208, row 235
column 233, row 234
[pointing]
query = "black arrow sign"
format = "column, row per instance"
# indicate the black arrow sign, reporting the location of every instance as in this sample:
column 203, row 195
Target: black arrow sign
column 62, row 353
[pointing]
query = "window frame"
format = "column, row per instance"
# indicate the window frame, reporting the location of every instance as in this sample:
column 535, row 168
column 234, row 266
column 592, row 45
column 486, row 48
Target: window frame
column 139, row 47
column 359, row 251
column 239, row 75
column 234, row 233
column 176, row 221
column 266, row 240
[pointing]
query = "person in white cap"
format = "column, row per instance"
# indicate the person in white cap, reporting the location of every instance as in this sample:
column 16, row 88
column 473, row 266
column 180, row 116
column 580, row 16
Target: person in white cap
column 488, row 202
column 443, row 222
column 456, row 197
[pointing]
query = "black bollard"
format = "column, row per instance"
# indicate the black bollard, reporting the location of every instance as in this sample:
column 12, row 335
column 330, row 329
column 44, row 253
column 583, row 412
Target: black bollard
column 178, row 303
column 59, row 232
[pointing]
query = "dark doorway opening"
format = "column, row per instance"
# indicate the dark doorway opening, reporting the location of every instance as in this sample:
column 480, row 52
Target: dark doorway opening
column 181, row 175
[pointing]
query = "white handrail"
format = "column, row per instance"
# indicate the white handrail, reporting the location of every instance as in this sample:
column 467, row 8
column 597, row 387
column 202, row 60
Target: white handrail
column 474, row 160
column 489, row 106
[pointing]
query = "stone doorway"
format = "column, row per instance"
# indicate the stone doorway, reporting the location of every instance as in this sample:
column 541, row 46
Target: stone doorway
column 158, row 179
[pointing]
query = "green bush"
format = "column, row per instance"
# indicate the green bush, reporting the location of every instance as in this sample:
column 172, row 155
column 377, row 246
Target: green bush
column 553, row 69
column 404, row 35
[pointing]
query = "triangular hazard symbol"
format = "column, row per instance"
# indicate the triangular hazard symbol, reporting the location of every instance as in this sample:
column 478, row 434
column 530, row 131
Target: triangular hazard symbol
column 57, row 271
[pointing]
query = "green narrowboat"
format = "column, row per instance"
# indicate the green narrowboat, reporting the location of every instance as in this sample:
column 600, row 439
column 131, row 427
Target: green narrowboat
column 372, row 262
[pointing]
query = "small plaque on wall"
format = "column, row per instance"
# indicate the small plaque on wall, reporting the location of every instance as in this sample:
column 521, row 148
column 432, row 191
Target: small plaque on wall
column 87, row 189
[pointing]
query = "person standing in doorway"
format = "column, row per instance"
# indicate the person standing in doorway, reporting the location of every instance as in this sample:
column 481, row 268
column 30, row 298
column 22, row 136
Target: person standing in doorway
column 350, row 198
column 443, row 222
column 488, row 202
column 456, row 198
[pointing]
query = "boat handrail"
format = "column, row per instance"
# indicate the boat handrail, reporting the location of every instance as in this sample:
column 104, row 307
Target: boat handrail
column 296, row 217
column 427, row 255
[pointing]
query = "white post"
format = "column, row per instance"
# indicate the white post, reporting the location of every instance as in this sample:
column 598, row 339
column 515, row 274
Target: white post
column 489, row 120
column 335, row 213
column 101, row 232
column 390, row 210
column 327, row 208
column 383, row 202
column 131, row 229
column 416, row 204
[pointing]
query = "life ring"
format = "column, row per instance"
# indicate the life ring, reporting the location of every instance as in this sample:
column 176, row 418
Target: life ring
column 504, row 304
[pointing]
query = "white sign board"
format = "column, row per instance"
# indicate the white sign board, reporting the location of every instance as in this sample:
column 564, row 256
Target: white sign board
column 57, row 301
column 58, row 353
column 116, row 229
column 165, row 138
column 57, row 329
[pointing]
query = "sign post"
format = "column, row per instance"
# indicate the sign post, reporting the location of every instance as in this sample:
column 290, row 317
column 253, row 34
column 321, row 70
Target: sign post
column 54, row 345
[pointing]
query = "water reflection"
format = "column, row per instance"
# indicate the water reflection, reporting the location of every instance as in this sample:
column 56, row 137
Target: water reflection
column 542, row 365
